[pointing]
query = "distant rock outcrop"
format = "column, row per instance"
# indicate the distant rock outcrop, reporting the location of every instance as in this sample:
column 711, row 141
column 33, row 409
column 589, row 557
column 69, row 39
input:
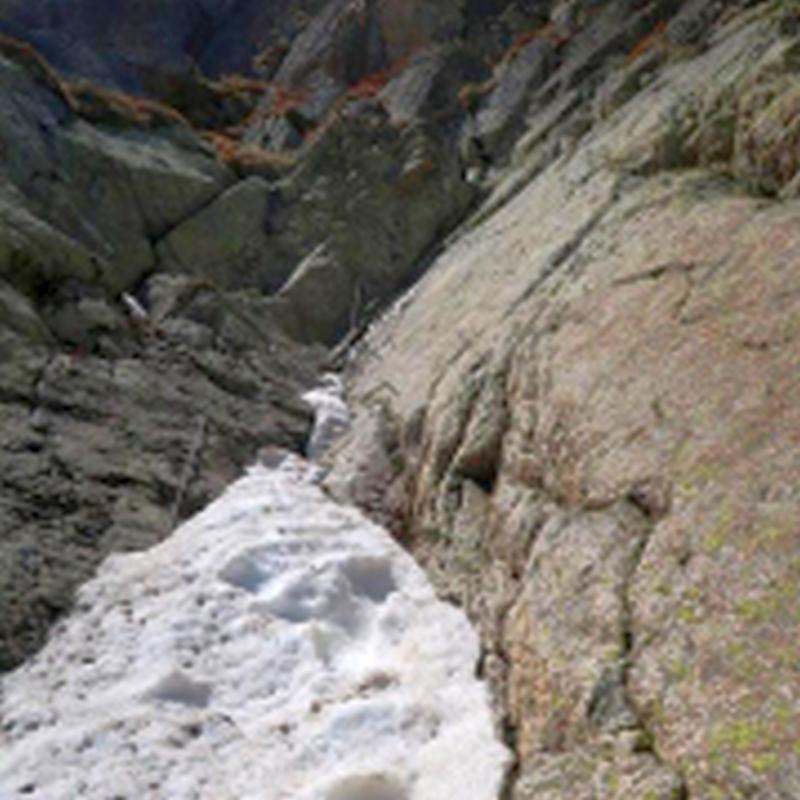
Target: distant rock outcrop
column 143, row 46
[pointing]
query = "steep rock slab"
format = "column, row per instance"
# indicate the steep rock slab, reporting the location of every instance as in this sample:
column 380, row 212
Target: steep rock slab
column 276, row 640
column 593, row 446
column 403, row 189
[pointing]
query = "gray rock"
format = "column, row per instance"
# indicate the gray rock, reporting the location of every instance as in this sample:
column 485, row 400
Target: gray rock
column 402, row 185
column 20, row 317
column 428, row 88
column 33, row 253
column 227, row 242
column 692, row 24
column 499, row 117
column 109, row 192
column 103, row 452
column 320, row 291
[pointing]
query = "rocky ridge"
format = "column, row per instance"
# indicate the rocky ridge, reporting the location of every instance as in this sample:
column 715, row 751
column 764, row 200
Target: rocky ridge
column 578, row 420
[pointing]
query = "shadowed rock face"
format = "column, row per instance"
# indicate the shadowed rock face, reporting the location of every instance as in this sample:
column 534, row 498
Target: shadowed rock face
column 129, row 44
column 115, row 426
column 138, row 45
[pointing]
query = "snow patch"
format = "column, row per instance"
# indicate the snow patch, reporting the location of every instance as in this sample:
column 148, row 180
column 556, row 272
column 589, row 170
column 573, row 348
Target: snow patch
column 331, row 415
column 277, row 646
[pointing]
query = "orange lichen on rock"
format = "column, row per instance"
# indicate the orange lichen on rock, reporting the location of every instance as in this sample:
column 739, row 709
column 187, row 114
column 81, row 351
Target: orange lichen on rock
column 98, row 104
column 550, row 33
column 248, row 159
column 647, row 43
column 234, row 84
column 286, row 99
column 30, row 59
column 371, row 84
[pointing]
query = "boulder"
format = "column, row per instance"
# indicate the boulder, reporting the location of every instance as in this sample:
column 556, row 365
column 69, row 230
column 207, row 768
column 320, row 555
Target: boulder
column 135, row 188
column 428, row 87
column 228, row 241
column 404, row 187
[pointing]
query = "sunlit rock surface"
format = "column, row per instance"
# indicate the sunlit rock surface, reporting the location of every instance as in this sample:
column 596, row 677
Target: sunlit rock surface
column 276, row 646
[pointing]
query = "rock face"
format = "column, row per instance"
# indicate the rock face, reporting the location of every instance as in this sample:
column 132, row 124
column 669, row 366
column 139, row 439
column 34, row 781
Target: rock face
column 580, row 419
column 584, row 428
column 114, row 426
column 106, row 445
column 136, row 45
column 402, row 184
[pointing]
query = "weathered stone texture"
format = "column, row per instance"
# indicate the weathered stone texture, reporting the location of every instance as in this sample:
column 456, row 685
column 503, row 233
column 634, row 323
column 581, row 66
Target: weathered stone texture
column 606, row 473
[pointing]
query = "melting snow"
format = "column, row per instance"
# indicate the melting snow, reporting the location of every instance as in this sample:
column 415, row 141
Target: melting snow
column 331, row 415
column 278, row 645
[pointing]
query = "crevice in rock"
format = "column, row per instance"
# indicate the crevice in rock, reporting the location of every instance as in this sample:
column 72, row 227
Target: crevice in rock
column 657, row 272
column 651, row 506
column 191, row 469
column 566, row 251
column 509, row 738
column 156, row 238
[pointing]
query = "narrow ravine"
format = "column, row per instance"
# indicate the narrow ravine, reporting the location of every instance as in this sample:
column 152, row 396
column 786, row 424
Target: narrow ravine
column 277, row 645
